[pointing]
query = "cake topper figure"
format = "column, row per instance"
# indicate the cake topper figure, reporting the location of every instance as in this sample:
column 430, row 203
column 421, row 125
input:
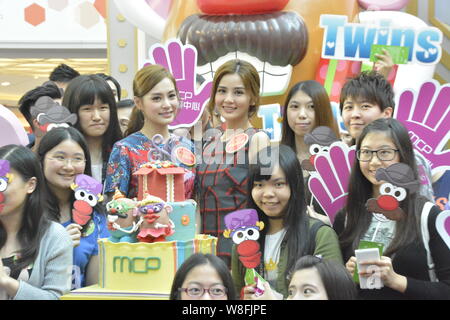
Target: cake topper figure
column 123, row 216
column 88, row 192
column 156, row 225
column 399, row 178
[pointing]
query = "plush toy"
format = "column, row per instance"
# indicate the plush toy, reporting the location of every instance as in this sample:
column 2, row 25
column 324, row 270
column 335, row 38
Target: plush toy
column 399, row 177
column 123, row 217
column 156, row 225
column 88, row 192
column 243, row 228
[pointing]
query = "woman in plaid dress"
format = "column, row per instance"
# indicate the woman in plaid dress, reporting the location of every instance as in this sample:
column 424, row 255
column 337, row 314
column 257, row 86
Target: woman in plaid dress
column 223, row 169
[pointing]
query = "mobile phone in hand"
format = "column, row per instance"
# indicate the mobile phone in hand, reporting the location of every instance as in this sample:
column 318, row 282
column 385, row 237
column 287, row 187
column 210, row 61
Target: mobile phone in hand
column 363, row 255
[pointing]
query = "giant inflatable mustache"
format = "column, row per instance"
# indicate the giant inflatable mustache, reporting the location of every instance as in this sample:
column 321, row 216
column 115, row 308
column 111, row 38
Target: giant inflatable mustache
column 262, row 36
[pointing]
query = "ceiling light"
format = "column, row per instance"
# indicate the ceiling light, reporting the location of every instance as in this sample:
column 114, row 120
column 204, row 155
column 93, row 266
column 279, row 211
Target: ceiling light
column 5, row 84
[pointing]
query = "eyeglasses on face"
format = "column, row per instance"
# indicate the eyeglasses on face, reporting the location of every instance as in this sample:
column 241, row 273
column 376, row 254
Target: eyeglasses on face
column 216, row 291
column 62, row 160
column 366, row 155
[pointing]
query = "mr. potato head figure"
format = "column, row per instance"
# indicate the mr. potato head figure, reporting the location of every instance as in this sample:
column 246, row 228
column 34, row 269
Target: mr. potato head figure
column 281, row 38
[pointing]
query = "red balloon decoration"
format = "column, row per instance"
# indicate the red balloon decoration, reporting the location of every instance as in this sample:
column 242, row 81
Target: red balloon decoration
column 222, row 7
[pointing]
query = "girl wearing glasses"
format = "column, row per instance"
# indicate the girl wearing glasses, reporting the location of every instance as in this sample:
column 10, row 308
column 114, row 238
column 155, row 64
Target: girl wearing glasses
column 35, row 256
column 64, row 154
column 203, row 277
column 403, row 265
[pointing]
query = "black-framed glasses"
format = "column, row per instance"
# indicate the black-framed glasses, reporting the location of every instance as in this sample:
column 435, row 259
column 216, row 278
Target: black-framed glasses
column 216, row 291
column 382, row 154
column 62, row 160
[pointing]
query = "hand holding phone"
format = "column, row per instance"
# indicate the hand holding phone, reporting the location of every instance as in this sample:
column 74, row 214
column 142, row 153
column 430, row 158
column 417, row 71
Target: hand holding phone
column 365, row 255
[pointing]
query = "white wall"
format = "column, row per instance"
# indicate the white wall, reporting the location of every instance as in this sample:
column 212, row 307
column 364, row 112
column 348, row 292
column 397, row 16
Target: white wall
column 59, row 30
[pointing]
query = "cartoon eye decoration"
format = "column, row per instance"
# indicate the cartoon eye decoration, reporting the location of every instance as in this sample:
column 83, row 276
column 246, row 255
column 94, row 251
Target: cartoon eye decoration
column 91, row 199
column 51, row 126
column 252, row 234
column 239, row 237
column 3, row 185
column 399, row 194
column 325, row 149
column 387, row 188
column 119, row 207
column 185, row 220
column 84, row 196
column 157, row 208
column 80, row 195
column 314, row 149
column 143, row 209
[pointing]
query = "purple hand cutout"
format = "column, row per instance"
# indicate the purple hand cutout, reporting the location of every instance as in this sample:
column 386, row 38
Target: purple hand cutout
column 427, row 119
column 329, row 183
column 181, row 61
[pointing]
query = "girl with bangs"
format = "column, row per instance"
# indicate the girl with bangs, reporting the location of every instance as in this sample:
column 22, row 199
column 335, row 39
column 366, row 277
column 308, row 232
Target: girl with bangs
column 276, row 191
column 92, row 100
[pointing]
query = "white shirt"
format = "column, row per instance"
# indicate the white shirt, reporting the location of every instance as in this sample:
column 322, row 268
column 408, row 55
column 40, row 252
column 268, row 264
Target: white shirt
column 97, row 172
column 272, row 248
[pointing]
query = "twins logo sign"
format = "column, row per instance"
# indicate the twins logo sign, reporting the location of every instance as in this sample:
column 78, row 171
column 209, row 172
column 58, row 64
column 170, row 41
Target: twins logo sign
column 353, row 41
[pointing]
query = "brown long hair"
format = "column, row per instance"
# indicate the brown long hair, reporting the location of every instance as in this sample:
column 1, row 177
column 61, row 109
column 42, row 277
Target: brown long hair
column 249, row 76
column 322, row 110
column 144, row 81
column 360, row 190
